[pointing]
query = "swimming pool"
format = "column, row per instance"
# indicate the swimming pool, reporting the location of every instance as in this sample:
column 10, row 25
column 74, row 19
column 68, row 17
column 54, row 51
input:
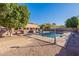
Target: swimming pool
column 51, row 34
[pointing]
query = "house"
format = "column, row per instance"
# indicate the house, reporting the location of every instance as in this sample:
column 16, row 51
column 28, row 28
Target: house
column 32, row 28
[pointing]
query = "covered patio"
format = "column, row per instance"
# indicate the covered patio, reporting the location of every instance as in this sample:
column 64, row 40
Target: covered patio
column 32, row 28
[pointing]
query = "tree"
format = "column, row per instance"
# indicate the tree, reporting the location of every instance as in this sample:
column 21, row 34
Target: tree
column 53, row 23
column 13, row 16
column 46, row 26
column 24, row 16
column 42, row 26
column 72, row 22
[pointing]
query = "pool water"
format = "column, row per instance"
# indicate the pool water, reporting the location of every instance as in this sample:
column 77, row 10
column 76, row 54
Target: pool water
column 51, row 34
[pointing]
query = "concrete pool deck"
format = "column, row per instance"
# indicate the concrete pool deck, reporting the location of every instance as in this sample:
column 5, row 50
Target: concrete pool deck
column 25, row 46
column 59, row 40
column 29, row 46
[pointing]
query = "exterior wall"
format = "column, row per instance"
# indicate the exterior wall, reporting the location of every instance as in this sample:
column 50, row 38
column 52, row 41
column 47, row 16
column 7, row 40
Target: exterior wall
column 32, row 28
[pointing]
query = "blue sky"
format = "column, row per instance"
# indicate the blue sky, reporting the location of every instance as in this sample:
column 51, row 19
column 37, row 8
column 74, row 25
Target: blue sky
column 52, row 12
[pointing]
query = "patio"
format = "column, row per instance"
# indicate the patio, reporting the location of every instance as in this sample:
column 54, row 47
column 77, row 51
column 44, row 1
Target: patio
column 25, row 46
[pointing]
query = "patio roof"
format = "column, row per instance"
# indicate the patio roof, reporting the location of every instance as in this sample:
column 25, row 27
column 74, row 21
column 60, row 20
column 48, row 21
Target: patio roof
column 31, row 25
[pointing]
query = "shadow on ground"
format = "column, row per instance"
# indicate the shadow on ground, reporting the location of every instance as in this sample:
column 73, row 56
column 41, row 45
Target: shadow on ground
column 1, row 33
column 71, row 47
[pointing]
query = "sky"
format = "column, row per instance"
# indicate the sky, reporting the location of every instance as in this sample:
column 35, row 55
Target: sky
column 52, row 12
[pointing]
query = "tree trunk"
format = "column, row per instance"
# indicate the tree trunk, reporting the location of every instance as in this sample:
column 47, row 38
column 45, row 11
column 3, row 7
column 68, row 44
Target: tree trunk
column 75, row 29
column 7, row 31
column 22, row 31
column 16, row 32
column 10, row 31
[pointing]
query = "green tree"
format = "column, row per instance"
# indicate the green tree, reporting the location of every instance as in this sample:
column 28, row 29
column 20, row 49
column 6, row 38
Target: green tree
column 72, row 22
column 42, row 26
column 24, row 16
column 13, row 16
column 45, row 26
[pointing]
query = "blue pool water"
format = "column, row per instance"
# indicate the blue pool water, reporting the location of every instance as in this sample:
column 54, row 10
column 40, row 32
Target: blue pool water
column 51, row 34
